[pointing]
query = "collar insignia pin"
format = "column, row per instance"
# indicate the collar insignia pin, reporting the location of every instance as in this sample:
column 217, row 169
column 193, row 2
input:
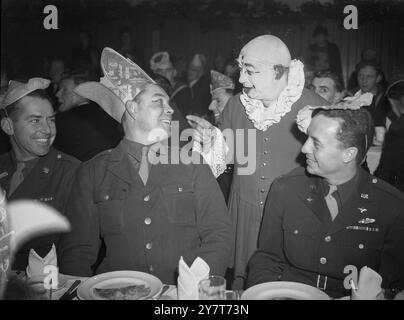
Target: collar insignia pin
column 364, row 196
column 309, row 199
column 362, row 210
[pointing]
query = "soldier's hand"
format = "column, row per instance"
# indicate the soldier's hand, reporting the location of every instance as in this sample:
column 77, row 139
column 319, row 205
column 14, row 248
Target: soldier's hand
column 203, row 130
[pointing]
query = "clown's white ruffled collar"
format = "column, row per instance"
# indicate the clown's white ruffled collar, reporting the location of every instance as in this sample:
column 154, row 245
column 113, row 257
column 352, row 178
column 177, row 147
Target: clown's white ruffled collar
column 263, row 117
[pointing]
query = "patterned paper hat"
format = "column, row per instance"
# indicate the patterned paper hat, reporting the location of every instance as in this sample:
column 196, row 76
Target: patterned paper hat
column 17, row 90
column 160, row 61
column 220, row 81
column 122, row 75
column 123, row 80
column 359, row 100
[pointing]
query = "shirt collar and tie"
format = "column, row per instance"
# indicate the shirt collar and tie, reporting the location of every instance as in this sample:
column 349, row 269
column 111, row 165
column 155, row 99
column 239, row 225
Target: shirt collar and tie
column 23, row 168
column 337, row 196
column 139, row 154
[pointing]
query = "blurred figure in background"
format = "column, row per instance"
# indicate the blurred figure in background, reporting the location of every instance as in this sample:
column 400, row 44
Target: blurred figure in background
column 391, row 167
column 329, row 86
column 222, row 89
column 369, row 78
column 57, row 66
column 199, row 84
column 325, row 53
column 367, row 55
column 179, row 92
column 129, row 50
column 84, row 129
column 84, row 56
column 4, row 141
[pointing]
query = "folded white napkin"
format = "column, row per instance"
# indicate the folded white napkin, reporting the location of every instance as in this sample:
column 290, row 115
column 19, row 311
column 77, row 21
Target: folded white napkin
column 36, row 264
column 369, row 285
column 189, row 277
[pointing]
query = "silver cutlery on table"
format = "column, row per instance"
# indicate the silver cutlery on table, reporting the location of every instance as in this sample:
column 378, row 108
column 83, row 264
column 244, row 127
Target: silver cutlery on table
column 69, row 294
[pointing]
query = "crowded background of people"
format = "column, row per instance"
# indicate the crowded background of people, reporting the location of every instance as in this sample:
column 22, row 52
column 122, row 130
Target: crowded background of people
column 82, row 112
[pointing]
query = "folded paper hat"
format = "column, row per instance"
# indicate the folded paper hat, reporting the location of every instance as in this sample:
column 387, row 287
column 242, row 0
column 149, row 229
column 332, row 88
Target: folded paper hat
column 122, row 75
column 220, row 81
column 160, row 61
column 189, row 277
column 359, row 100
column 369, row 285
column 122, row 81
column 17, row 90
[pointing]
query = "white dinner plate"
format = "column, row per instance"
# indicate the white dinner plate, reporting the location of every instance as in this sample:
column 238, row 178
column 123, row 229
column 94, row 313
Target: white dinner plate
column 117, row 279
column 279, row 290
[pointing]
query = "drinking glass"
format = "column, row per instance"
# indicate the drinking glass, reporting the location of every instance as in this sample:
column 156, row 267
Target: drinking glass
column 212, row 288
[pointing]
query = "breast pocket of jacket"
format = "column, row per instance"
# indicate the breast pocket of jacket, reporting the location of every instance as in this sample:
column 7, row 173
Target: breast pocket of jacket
column 362, row 246
column 300, row 238
column 110, row 207
column 179, row 202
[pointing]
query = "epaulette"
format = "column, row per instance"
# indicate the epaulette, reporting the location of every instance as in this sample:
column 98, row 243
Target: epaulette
column 388, row 188
column 60, row 156
column 296, row 172
column 101, row 154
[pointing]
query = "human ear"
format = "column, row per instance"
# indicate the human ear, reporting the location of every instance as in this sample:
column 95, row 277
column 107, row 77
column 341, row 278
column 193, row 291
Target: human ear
column 7, row 126
column 132, row 108
column 350, row 154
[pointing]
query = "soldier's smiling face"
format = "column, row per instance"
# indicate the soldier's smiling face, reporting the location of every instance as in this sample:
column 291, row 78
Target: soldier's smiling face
column 33, row 128
column 324, row 152
column 153, row 114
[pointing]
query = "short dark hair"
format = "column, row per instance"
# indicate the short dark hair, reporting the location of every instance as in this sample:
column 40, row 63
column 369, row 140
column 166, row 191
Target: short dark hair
column 356, row 128
column 328, row 74
column 373, row 64
column 163, row 82
column 11, row 109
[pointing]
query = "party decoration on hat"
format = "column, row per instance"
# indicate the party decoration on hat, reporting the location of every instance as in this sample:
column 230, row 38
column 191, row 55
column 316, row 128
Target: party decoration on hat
column 160, row 61
column 350, row 103
column 121, row 75
column 17, row 90
column 104, row 97
column 220, row 81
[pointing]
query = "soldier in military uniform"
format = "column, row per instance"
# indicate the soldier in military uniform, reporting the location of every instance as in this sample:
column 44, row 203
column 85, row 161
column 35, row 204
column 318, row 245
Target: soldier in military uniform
column 313, row 236
column 148, row 214
column 33, row 169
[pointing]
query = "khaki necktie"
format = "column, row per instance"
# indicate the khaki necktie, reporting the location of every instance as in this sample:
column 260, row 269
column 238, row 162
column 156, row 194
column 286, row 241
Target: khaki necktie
column 17, row 177
column 332, row 202
column 144, row 166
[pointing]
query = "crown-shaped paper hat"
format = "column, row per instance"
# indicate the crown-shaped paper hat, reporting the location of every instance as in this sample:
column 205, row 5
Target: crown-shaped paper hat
column 160, row 61
column 220, row 81
column 17, row 90
column 123, row 80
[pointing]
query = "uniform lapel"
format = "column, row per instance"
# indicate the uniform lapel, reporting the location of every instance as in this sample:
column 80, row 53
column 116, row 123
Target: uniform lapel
column 122, row 167
column 311, row 196
column 37, row 178
column 358, row 207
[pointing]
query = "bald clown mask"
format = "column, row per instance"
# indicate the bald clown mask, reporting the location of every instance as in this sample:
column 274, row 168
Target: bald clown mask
column 264, row 64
